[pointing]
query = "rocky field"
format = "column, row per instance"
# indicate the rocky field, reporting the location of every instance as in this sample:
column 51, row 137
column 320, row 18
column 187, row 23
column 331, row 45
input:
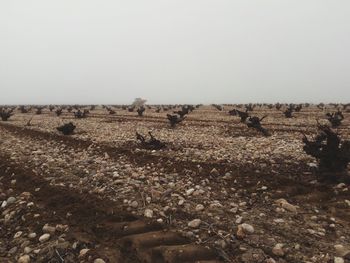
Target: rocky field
column 217, row 192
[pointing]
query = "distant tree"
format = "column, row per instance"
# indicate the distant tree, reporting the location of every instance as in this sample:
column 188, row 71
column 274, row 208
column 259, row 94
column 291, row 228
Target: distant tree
column 138, row 102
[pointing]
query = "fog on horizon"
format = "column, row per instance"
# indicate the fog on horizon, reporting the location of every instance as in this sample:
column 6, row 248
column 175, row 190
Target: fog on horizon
column 198, row 51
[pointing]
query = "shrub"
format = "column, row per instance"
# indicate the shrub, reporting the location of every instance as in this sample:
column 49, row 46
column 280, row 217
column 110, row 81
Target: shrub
column 81, row 114
column 58, row 112
column 255, row 122
column 242, row 114
column 333, row 156
column 298, row 108
column 110, row 110
column 67, row 129
column 278, row 106
column 174, row 119
column 23, row 109
column 140, row 111
column 249, row 107
column 186, row 110
column 152, row 143
column 38, row 110
column 5, row 114
column 335, row 118
column 218, row 107
column 289, row 111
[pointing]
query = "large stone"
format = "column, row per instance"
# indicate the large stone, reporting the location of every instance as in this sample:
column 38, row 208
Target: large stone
column 195, row 223
column 244, row 229
column 287, row 206
column 338, row 260
column 11, row 200
column 148, row 213
column 341, row 250
column 24, row 259
column 49, row 229
column 199, row 207
column 278, row 250
column 44, row 237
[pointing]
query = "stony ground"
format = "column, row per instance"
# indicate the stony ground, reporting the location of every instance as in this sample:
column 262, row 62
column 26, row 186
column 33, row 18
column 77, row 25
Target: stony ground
column 218, row 183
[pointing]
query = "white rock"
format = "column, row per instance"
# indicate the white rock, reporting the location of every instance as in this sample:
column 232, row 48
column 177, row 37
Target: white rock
column 239, row 220
column 24, row 259
column 284, row 204
column 248, row 229
column 49, row 229
column 190, row 191
column 195, row 223
column 18, row 234
column 278, row 250
column 11, row 200
column 32, row 235
column 99, row 260
column 148, row 213
column 134, row 204
column 83, row 252
column 341, row 185
column 27, row 250
column 338, row 260
column 199, row 207
column 44, row 237
column 214, row 172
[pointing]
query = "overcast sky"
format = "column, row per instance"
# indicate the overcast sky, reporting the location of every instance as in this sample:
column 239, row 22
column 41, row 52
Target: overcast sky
column 179, row 51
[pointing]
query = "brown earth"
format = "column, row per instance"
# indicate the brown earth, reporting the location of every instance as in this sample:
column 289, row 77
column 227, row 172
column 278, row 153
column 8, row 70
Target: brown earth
column 100, row 213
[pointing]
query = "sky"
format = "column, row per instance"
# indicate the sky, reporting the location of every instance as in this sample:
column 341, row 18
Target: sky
column 174, row 51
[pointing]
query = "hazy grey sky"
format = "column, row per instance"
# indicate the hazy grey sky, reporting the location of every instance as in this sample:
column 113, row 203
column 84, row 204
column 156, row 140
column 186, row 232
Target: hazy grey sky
column 179, row 51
